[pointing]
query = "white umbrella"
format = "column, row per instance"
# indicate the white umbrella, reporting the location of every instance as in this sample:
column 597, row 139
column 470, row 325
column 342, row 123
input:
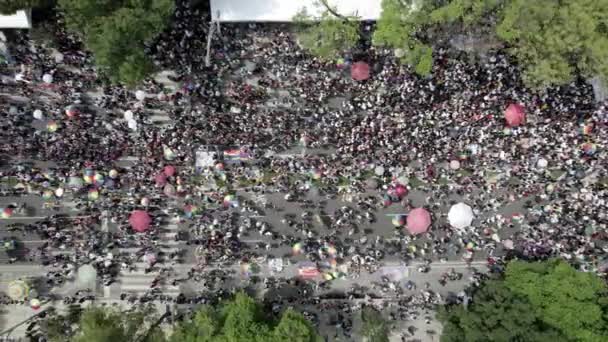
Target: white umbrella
column 161, row 96
column 47, row 78
column 140, row 95
column 460, row 215
column 86, row 276
column 399, row 53
column 454, row 164
column 379, row 170
column 38, row 114
column 132, row 124
column 128, row 115
column 542, row 163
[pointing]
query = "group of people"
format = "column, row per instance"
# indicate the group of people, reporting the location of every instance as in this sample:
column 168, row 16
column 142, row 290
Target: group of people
column 263, row 91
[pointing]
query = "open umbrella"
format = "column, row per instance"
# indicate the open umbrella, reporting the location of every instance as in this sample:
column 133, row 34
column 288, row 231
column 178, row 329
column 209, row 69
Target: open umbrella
column 418, row 221
column 400, row 190
column 160, row 179
column 7, row 213
column 71, row 111
column 38, row 114
column 47, row 78
column 35, row 303
column 18, row 289
column 398, row 220
column 140, row 220
column 169, row 170
column 169, row 190
column 140, row 95
column 460, row 215
column 360, row 71
column 308, row 270
column 150, row 258
column 128, row 115
column 515, row 114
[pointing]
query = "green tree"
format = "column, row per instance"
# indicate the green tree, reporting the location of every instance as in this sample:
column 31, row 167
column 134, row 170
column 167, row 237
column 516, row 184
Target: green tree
column 12, row 6
column 242, row 319
column 116, row 32
column 328, row 36
column 496, row 314
column 374, row 327
column 555, row 41
column 572, row 301
column 102, row 324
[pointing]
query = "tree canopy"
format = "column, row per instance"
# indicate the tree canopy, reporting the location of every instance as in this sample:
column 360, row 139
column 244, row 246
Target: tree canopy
column 553, row 41
column 103, row 324
column 374, row 327
column 542, row 301
column 242, row 319
column 116, row 32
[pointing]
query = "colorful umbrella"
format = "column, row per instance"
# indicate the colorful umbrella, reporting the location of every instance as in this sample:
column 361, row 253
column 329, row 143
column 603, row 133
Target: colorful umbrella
column 586, row 129
column 360, row 71
column 7, row 213
column 93, row 194
column 169, row 170
column 418, row 221
column 35, row 304
column 160, row 179
column 515, row 114
column 398, row 220
column 400, row 190
column 316, row 174
column 297, row 248
column 71, row 111
column 52, row 126
column 18, row 289
column 47, row 194
column 230, row 201
column 140, row 220
column 190, row 210
column 589, row 148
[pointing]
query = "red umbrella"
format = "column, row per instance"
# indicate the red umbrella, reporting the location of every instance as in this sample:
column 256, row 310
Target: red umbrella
column 169, row 170
column 360, row 71
column 140, row 220
column 418, row 221
column 160, row 179
column 400, row 190
column 515, row 114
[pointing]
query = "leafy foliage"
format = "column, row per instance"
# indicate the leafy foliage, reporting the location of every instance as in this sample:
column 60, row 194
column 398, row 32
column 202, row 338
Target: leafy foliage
column 12, row 6
column 374, row 326
column 328, row 36
column 242, row 319
column 543, row 301
column 102, row 324
column 572, row 301
column 497, row 314
column 554, row 40
column 116, row 31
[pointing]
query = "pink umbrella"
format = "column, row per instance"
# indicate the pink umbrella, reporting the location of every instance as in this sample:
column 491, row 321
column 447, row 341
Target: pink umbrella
column 160, row 179
column 360, row 71
column 140, row 220
column 418, row 221
column 169, row 170
column 400, row 190
column 515, row 114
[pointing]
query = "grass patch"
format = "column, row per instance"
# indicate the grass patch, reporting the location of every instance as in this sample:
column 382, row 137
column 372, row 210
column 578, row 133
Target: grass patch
column 416, row 183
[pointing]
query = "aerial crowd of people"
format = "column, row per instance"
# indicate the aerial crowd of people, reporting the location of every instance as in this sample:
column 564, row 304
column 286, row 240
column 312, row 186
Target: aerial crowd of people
column 444, row 137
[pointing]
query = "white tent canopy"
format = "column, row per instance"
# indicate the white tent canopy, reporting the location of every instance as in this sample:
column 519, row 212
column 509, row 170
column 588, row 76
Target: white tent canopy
column 285, row 10
column 19, row 20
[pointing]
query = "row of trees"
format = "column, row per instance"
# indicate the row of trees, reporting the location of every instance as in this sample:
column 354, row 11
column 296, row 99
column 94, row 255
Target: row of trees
column 543, row 301
column 239, row 319
column 554, row 41
column 115, row 31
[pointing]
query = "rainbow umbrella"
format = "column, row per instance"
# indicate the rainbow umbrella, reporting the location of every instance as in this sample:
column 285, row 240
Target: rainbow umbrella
column 316, row 174
column 35, row 303
column 230, row 201
column 18, row 289
column 340, row 62
column 93, row 194
column 47, row 194
column 52, row 126
column 589, row 148
column 7, row 213
column 297, row 248
column 98, row 178
column 586, row 129
column 190, row 210
column 88, row 176
column 398, row 220
column 113, row 173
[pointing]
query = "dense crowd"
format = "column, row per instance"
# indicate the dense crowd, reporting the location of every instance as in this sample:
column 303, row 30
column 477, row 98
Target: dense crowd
column 265, row 92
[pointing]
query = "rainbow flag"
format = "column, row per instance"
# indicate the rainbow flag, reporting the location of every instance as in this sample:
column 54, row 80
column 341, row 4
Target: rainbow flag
column 240, row 154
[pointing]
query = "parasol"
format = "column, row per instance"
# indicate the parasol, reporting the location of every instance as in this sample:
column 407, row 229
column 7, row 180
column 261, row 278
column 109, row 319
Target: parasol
column 160, row 179
column 460, row 215
column 47, row 78
column 140, row 220
column 140, row 95
column 38, row 114
column 398, row 220
column 169, row 170
column 360, row 71
column 18, row 289
column 418, row 221
column 515, row 114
